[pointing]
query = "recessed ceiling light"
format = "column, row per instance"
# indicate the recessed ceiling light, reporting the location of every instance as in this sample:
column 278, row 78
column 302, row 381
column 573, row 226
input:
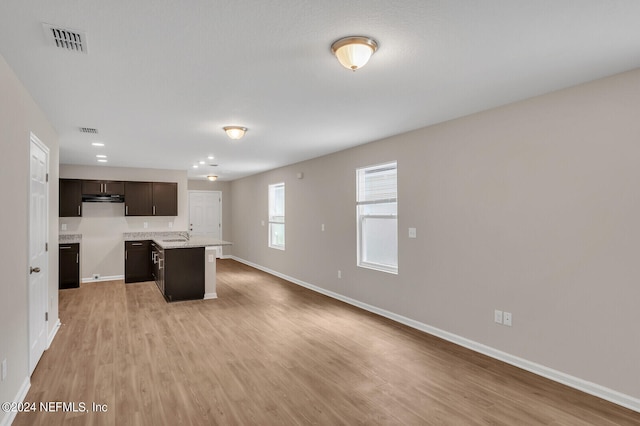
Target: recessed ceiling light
column 102, row 160
column 211, row 157
column 195, row 166
column 212, row 177
column 101, row 156
column 97, row 144
column 201, row 162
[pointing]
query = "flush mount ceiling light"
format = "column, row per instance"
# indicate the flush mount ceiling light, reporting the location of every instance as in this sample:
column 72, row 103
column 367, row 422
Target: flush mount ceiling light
column 353, row 52
column 235, row 132
column 212, row 177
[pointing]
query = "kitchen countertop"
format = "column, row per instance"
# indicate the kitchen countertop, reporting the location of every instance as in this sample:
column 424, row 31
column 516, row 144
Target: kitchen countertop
column 162, row 239
column 69, row 238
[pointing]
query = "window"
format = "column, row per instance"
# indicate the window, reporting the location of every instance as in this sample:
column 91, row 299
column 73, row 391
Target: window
column 276, row 216
column 377, row 215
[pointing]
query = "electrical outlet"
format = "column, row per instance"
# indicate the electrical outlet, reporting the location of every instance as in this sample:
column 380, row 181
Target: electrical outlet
column 339, row 273
column 322, row 227
column 96, row 276
column 507, row 319
column 4, row 369
column 497, row 316
column 412, row 233
column 170, row 225
column 63, row 227
column 145, row 224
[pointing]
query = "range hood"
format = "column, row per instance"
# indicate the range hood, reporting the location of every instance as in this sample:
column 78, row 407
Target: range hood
column 97, row 198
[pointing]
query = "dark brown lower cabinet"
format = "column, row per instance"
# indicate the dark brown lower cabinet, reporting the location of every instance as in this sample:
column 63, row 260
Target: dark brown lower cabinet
column 183, row 273
column 69, row 266
column 137, row 261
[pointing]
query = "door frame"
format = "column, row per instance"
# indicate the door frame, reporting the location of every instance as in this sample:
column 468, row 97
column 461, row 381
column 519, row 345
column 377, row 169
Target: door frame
column 219, row 204
column 33, row 140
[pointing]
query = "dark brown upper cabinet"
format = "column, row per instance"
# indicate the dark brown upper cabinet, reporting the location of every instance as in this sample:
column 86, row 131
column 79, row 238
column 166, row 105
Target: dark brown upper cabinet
column 102, row 187
column 70, row 199
column 138, row 199
column 165, row 199
column 151, row 198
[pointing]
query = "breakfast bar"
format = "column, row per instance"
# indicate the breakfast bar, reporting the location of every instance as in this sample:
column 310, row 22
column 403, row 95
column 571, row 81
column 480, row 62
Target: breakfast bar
column 183, row 266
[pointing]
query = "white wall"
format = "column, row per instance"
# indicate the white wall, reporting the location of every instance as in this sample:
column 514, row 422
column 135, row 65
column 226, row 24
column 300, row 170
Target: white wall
column 20, row 115
column 531, row 208
column 102, row 224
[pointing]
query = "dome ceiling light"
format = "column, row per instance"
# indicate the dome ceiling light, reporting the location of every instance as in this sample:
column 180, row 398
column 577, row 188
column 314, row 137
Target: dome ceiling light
column 235, row 132
column 212, row 177
column 353, row 52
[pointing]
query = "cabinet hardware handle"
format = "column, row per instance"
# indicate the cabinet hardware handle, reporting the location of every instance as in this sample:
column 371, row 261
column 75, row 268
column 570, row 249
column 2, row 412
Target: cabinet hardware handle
column 32, row 270
column 77, row 257
column 136, row 244
column 126, row 209
column 154, row 210
column 125, row 255
column 65, row 247
column 78, row 210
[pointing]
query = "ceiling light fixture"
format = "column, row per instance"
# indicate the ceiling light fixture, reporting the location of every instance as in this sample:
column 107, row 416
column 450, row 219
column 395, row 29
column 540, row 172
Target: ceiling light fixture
column 212, row 177
column 97, row 144
column 102, row 160
column 353, row 52
column 195, row 166
column 101, row 156
column 211, row 157
column 235, row 132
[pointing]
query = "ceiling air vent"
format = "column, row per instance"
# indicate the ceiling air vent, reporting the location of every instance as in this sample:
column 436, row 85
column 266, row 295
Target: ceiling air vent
column 65, row 38
column 88, row 130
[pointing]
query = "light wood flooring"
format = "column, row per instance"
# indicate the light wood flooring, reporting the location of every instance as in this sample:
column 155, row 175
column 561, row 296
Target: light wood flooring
column 268, row 352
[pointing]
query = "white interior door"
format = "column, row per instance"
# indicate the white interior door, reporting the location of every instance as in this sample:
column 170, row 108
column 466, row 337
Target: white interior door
column 205, row 216
column 38, row 256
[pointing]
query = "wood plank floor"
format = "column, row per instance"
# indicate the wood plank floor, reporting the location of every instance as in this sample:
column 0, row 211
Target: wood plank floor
column 268, row 352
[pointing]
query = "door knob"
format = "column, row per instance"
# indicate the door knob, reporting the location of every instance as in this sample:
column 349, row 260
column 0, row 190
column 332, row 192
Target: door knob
column 32, row 270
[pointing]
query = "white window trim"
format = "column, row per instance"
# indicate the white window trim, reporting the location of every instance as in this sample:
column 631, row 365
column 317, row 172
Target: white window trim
column 359, row 218
column 272, row 245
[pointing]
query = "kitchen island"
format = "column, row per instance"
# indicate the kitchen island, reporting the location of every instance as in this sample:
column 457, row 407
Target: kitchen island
column 183, row 266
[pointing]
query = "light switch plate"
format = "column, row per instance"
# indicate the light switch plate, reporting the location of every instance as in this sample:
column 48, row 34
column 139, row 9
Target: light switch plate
column 497, row 316
column 413, row 233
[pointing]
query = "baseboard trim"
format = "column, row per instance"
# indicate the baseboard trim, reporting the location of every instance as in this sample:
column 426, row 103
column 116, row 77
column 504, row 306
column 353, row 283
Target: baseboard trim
column 591, row 388
column 22, row 394
column 210, row 296
column 107, row 278
column 53, row 332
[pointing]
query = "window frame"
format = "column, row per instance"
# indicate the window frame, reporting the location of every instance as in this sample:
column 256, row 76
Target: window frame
column 360, row 218
column 272, row 218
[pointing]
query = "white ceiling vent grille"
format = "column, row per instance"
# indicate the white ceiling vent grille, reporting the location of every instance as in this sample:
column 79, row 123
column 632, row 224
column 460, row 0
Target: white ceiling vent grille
column 65, row 38
column 88, row 130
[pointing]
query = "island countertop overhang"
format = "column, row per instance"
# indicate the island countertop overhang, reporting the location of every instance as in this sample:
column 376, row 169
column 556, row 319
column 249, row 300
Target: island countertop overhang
column 166, row 240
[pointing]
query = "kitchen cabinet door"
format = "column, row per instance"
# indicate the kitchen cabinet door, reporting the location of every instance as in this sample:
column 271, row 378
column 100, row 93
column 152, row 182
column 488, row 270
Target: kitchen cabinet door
column 137, row 261
column 165, row 199
column 102, row 187
column 69, row 266
column 138, row 199
column 70, row 198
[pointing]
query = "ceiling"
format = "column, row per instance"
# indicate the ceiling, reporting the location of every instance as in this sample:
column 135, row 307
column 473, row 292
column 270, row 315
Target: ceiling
column 162, row 77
